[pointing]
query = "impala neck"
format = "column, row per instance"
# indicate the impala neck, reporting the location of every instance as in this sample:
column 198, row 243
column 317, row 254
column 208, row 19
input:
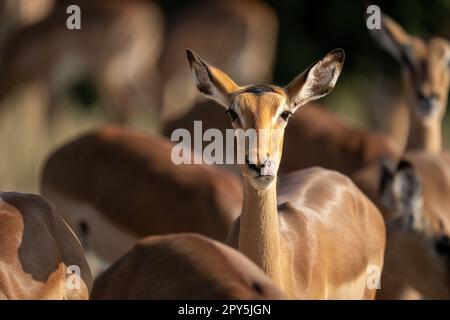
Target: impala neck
column 259, row 237
column 426, row 136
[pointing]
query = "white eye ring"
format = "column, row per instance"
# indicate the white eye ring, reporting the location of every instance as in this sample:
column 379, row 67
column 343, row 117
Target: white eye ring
column 285, row 115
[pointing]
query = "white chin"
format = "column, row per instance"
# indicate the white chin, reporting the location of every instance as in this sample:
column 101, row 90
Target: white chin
column 262, row 183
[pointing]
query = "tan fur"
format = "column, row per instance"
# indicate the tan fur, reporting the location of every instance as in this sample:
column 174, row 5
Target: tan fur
column 184, row 266
column 328, row 232
column 413, row 269
column 426, row 134
column 128, row 179
column 313, row 232
column 36, row 247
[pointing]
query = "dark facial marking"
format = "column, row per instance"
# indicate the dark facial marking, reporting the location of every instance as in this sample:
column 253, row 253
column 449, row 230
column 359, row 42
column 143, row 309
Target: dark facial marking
column 259, row 90
column 204, row 86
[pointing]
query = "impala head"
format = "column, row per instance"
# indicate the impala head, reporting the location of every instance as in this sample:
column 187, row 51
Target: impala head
column 425, row 67
column 265, row 109
column 417, row 237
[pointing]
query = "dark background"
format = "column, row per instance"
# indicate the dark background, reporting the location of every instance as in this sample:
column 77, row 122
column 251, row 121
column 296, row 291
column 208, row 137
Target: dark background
column 310, row 28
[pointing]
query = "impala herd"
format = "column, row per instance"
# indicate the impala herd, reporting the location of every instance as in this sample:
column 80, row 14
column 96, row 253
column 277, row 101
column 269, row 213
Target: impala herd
column 354, row 214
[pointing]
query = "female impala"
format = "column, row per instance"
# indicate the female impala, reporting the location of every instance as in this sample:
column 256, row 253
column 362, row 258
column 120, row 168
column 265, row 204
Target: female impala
column 318, row 234
column 426, row 80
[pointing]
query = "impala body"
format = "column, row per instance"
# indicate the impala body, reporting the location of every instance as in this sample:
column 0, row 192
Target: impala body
column 114, row 186
column 417, row 263
column 38, row 251
column 313, row 232
column 184, row 266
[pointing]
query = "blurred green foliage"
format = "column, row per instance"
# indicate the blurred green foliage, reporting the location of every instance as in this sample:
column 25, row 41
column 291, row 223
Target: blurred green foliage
column 310, row 28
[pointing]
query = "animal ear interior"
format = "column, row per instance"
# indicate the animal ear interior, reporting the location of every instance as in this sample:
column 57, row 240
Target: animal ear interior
column 316, row 81
column 408, row 180
column 211, row 81
column 387, row 170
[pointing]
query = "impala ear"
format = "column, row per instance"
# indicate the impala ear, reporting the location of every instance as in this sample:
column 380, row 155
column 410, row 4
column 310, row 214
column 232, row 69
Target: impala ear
column 406, row 193
column 391, row 37
column 210, row 81
column 316, row 81
column 387, row 170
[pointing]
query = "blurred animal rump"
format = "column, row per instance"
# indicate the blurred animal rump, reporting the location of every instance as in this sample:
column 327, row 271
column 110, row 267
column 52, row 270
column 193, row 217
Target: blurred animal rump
column 117, row 49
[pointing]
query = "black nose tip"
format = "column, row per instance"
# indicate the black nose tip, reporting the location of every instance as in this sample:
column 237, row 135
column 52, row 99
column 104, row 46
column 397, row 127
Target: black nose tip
column 252, row 166
column 266, row 164
column 427, row 103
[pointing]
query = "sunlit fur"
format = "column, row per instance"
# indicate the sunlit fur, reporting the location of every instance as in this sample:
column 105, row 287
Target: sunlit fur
column 313, row 232
column 209, row 270
column 36, row 249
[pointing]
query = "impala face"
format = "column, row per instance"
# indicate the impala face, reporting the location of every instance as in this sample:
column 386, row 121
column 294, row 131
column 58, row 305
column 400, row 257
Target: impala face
column 262, row 111
column 426, row 73
column 425, row 68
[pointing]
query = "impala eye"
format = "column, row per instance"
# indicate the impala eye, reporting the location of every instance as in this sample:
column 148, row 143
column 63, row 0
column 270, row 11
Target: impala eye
column 285, row 115
column 233, row 115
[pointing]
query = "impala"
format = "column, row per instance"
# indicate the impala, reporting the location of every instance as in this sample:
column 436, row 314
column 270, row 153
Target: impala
column 40, row 257
column 114, row 186
column 314, row 233
column 417, row 263
column 130, row 36
column 425, row 66
column 183, row 266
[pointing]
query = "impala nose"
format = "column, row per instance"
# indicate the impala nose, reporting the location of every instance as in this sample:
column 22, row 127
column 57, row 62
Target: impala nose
column 267, row 167
column 428, row 104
